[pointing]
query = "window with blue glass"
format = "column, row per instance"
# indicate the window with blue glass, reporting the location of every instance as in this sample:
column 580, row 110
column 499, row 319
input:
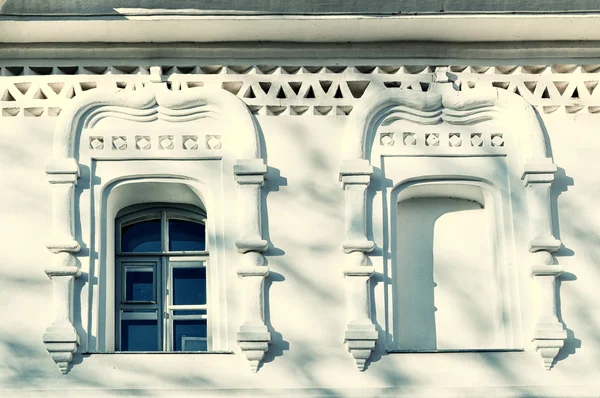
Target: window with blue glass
column 161, row 283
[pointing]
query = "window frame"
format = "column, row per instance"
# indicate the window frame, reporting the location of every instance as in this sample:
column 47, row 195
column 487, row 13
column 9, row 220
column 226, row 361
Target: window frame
column 145, row 212
column 165, row 261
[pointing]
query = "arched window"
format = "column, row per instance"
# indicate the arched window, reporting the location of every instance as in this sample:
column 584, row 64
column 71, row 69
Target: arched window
column 161, row 280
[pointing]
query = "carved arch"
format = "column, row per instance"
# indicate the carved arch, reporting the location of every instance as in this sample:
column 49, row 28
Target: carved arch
column 442, row 105
column 238, row 148
column 156, row 102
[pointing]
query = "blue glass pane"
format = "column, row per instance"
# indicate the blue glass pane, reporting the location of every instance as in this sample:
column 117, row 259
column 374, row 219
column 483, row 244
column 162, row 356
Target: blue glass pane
column 189, row 312
column 139, row 284
column 191, row 334
column 189, row 286
column 141, row 237
column 186, row 236
column 139, row 335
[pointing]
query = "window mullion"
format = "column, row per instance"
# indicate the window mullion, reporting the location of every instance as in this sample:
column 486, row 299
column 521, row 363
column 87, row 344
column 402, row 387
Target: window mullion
column 165, row 290
column 165, row 232
column 164, row 304
column 118, row 294
column 188, row 307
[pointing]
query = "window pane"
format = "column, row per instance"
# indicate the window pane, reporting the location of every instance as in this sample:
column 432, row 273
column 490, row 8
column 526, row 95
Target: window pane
column 189, row 312
column 139, row 335
column 190, row 334
column 186, row 236
column 141, row 237
column 194, row 344
column 189, row 286
column 139, row 284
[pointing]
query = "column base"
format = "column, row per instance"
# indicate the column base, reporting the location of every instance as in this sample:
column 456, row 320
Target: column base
column 254, row 343
column 548, row 339
column 548, row 349
column 61, row 343
column 361, row 341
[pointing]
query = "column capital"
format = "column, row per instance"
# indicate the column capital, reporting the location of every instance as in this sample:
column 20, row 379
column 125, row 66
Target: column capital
column 253, row 264
column 63, row 271
column 538, row 171
column 547, row 243
column 63, row 244
column 62, row 170
column 355, row 172
column 546, row 270
column 250, row 171
column 358, row 245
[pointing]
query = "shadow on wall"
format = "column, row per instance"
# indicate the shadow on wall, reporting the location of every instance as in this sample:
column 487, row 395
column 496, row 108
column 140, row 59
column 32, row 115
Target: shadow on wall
column 278, row 345
column 572, row 344
column 561, row 184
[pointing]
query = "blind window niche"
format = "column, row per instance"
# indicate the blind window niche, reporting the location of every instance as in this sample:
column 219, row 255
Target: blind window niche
column 446, row 289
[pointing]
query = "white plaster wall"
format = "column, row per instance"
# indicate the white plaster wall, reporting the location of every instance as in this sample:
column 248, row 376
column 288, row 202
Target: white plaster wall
column 305, row 289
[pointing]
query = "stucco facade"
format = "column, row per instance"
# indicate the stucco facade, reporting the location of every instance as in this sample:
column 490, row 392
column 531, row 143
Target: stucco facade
column 399, row 199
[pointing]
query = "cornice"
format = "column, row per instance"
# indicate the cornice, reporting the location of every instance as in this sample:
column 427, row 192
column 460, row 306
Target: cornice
column 524, row 51
column 293, row 90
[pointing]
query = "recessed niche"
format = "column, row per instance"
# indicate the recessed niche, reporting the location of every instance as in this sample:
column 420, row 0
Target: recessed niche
column 446, row 292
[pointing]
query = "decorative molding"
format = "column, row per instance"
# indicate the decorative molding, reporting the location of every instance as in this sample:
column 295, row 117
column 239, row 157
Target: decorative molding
column 271, row 90
column 392, row 140
column 361, row 334
column 253, row 335
column 184, row 145
column 61, row 338
column 460, row 108
column 238, row 141
column 549, row 332
column 455, row 108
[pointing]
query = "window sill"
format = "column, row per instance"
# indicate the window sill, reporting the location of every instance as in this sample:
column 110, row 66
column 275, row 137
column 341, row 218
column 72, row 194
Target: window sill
column 161, row 353
column 460, row 351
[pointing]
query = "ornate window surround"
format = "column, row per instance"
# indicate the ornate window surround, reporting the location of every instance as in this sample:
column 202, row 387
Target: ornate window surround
column 78, row 148
column 527, row 160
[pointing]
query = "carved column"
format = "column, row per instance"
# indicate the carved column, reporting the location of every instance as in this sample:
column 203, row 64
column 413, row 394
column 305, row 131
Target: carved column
column 549, row 333
column 253, row 336
column 361, row 334
column 61, row 338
